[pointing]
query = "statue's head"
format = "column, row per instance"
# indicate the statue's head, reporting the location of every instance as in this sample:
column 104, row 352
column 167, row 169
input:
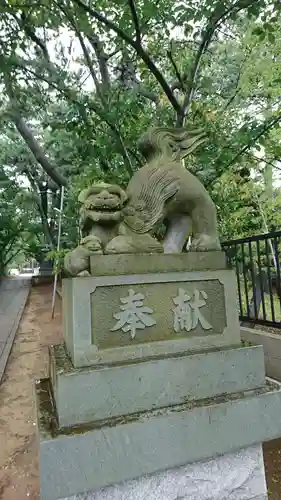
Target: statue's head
column 91, row 243
column 101, row 203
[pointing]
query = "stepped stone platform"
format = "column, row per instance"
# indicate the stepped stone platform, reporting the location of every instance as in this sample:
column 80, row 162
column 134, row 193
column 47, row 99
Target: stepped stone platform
column 152, row 392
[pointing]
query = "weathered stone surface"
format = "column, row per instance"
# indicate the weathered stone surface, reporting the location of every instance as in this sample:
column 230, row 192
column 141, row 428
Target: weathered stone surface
column 124, row 449
column 114, row 265
column 87, row 394
column 108, row 301
column 234, row 476
column 68, row 318
column 271, row 343
column 100, row 218
column 91, row 309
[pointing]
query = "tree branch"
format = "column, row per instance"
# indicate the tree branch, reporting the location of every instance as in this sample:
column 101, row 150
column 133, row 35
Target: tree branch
column 139, row 50
column 178, row 75
column 87, row 57
column 44, row 219
column 97, row 45
column 9, row 245
column 102, row 59
column 263, row 160
column 135, row 21
column 214, row 22
column 148, row 94
column 252, row 141
column 89, row 64
column 68, row 94
column 146, row 22
column 85, row 51
column 88, row 61
column 111, row 54
column 36, row 149
column 30, row 32
column 6, row 262
column 193, row 75
column 236, row 90
column 29, row 138
column 236, row 87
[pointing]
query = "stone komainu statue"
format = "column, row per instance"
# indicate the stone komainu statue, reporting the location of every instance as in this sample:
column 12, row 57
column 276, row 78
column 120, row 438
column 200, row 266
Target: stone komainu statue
column 164, row 190
column 100, row 218
column 114, row 221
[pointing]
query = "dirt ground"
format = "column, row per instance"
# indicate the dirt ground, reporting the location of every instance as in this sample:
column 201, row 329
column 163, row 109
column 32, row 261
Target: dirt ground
column 19, row 463
column 272, row 461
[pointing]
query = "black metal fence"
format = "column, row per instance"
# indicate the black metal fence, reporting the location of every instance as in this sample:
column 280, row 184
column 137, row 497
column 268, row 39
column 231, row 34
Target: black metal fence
column 256, row 260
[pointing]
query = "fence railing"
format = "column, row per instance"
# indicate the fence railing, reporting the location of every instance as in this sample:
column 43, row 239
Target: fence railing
column 256, row 260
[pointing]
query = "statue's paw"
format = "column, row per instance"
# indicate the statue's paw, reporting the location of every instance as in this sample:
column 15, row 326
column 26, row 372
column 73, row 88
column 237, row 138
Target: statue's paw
column 120, row 244
column 205, row 243
column 77, row 266
column 134, row 244
column 148, row 244
column 83, row 274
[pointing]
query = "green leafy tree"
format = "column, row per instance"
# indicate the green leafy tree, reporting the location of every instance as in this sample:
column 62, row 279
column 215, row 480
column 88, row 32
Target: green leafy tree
column 12, row 226
column 96, row 75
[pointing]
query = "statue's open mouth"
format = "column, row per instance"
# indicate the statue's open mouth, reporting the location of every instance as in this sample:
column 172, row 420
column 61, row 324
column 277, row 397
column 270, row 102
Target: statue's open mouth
column 104, row 216
column 103, row 207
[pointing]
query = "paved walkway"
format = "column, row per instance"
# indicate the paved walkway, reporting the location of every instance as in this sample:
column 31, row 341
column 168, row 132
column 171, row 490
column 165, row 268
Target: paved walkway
column 13, row 296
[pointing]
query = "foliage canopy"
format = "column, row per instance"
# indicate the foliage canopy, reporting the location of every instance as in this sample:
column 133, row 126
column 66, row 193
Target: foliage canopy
column 81, row 81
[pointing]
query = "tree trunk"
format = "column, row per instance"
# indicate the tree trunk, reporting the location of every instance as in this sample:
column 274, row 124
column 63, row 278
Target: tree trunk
column 37, row 151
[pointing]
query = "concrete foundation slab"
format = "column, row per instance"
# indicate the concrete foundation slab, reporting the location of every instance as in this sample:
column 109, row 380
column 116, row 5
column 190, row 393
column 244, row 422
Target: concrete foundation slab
column 117, row 450
column 85, row 395
column 234, row 476
column 271, row 343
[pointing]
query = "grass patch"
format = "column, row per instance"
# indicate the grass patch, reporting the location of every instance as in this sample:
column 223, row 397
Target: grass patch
column 267, row 305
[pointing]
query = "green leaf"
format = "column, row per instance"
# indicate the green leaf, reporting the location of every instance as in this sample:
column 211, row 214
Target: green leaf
column 188, row 28
column 271, row 37
column 254, row 10
column 258, row 31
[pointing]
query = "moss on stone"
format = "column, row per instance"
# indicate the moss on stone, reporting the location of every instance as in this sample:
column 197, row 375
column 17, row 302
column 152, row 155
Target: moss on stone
column 62, row 360
column 48, row 421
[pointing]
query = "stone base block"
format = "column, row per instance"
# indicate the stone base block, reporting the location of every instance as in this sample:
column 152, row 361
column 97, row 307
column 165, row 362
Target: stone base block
column 116, row 265
column 97, row 455
column 97, row 393
column 271, row 343
column 126, row 318
column 234, row 476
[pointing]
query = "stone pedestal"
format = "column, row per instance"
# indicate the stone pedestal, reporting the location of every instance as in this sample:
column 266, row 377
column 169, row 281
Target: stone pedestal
column 91, row 306
column 152, row 395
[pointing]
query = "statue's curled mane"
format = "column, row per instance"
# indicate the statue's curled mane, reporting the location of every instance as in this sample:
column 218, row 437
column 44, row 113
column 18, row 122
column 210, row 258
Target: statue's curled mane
column 158, row 181
column 156, row 188
column 175, row 144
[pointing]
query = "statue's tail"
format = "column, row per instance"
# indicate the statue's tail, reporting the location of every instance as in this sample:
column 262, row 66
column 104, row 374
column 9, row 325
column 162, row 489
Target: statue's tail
column 176, row 143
